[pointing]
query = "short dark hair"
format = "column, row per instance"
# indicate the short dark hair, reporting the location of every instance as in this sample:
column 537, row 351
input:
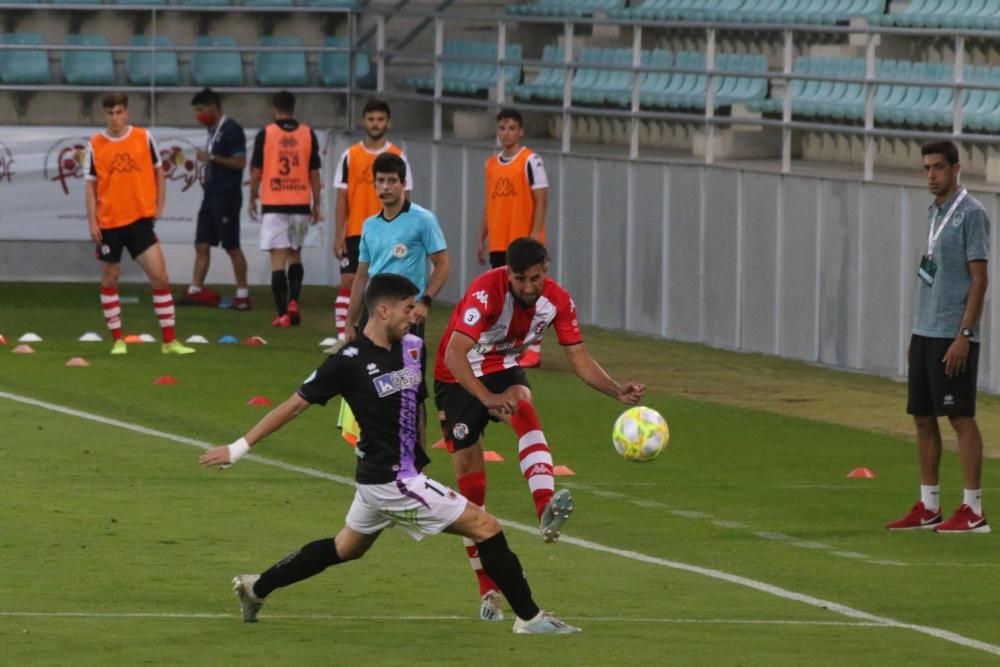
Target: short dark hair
column 512, row 114
column 206, row 97
column 111, row 100
column 389, row 163
column 284, row 102
column 388, row 287
column 524, row 253
column 376, row 104
column 946, row 148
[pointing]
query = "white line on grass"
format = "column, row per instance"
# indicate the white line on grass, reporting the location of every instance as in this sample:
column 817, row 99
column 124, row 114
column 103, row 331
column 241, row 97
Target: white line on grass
column 471, row 619
column 776, row 591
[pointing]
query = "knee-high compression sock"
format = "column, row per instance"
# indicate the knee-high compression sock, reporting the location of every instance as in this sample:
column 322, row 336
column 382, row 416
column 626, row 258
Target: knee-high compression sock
column 295, row 275
column 473, row 487
column 308, row 561
column 533, row 450
column 279, row 287
column 503, row 567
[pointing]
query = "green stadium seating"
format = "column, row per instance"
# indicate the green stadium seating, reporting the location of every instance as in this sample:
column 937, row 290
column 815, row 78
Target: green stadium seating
column 566, row 7
column 548, row 78
column 88, row 68
column 216, row 68
column 281, row 68
column 469, row 77
column 24, row 67
column 333, row 66
column 159, row 68
column 205, row 3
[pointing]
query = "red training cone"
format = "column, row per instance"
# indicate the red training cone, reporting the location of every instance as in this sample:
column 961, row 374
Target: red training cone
column 439, row 445
column 861, row 473
column 562, row 470
column 77, row 361
column 255, row 340
column 165, row 379
column 492, row 456
column 24, row 348
column 3, row 340
column 259, row 400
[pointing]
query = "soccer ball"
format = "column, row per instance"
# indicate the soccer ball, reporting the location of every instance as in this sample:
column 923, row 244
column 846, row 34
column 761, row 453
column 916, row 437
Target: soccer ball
column 640, row 434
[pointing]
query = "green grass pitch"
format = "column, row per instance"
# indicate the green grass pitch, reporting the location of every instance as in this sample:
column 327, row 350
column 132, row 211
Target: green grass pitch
column 743, row 544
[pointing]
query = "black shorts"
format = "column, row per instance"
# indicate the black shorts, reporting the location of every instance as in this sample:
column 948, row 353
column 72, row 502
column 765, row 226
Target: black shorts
column 931, row 392
column 137, row 238
column 219, row 220
column 349, row 262
column 498, row 259
column 463, row 418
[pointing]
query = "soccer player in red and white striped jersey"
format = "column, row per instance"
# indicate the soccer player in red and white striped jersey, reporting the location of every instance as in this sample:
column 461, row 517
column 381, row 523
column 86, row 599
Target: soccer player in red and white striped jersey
column 477, row 378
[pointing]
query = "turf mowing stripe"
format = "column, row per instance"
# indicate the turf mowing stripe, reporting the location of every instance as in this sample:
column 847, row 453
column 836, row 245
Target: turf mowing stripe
column 476, row 621
column 776, row 591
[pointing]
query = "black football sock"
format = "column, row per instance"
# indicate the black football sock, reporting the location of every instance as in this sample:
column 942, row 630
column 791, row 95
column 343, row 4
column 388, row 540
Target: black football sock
column 308, row 561
column 503, row 567
column 295, row 274
column 279, row 287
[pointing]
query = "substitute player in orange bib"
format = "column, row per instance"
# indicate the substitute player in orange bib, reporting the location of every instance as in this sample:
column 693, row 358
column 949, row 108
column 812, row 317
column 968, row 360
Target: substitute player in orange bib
column 357, row 199
column 517, row 195
column 284, row 175
column 125, row 194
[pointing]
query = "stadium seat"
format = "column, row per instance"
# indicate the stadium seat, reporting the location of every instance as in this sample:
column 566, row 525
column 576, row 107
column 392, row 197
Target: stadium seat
column 333, row 66
column 159, row 68
column 88, row 68
column 24, row 67
column 139, row 2
column 566, row 7
column 346, row 4
column 547, row 79
column 205, row 3
column 267, row 3
column 468, row 77
column 76, row 2
column 216, row 68
column 281, row 68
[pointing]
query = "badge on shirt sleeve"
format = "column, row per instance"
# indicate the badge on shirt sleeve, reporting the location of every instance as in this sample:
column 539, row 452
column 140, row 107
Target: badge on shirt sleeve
column 927, row 270
column 471, row 316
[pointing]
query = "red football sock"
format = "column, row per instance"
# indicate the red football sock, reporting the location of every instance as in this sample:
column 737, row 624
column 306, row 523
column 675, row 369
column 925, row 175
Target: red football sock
column 112, row 311
column 163, row 304
column 473, row 487
column 533, row 450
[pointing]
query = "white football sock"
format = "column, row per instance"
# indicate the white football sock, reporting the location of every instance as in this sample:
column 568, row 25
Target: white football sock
column 242, row 292
column 974, row 499
column 931, row 497
column 193, row 289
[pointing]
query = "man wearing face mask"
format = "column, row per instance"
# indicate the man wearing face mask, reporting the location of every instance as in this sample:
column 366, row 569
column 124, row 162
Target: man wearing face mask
column 223, row 160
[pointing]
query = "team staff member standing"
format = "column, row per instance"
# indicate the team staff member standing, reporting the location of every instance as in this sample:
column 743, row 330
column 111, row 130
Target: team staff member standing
column 517, row 196
column 356, row 197
column 944, row 348
column 381, row 375
column 400, row 239
column 284, row 172
column 224, row 157
column 125, row 194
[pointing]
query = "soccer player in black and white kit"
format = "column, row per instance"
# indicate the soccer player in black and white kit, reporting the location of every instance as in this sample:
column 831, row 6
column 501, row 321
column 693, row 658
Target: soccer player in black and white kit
column 380, row 375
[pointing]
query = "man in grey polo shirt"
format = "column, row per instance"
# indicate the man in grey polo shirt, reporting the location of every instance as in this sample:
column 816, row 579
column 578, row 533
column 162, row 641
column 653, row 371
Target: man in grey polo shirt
column 944, row 348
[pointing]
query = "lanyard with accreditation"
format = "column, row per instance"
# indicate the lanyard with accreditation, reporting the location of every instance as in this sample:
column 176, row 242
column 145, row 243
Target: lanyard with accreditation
column 928, row 267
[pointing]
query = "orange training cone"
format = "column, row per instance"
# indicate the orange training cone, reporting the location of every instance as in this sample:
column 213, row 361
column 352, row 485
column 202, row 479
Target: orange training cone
column 439, row 445
column 3, row 340
column 165, row 379
column 861, row 473
column 133, row 338
column 259, row 400
column 492, row 456
column 562, row 470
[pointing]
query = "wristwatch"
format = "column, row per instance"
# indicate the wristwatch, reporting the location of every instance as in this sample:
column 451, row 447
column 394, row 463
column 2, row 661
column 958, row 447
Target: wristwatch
column 967, row 332
column 427, row 300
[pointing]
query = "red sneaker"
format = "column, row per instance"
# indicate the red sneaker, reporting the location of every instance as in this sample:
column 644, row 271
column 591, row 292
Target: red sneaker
column 964, row 521
column 530, row 359
column 919, row 518
column 293, row 313
column 241, row 304
column 206, row 297
column 282, row 321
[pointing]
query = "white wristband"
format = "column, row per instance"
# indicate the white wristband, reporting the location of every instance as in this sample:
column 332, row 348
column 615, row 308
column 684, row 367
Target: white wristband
column 238, row 450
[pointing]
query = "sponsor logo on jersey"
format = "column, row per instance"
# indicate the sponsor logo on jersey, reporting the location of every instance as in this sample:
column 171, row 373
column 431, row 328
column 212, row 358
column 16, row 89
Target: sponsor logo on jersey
column 372, row 369
column 350, row 351
column 394, row 382
column 482, row 297
column 460, row 431
column 399, row 251
column 504, row 188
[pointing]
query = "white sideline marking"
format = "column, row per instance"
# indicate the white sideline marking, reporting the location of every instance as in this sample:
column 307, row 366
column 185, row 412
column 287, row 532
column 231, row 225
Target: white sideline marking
column 776, row 591
column 471, row 619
